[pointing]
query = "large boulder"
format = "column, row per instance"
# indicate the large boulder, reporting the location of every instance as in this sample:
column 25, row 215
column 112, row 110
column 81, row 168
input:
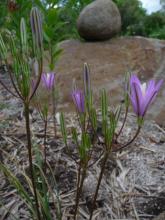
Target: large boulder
column 99, row 20
column 108, row 61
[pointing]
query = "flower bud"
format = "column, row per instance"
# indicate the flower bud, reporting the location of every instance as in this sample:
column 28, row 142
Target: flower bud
column 36, row 26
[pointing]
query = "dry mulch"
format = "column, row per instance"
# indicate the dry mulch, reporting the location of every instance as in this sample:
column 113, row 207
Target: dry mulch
column 133, row 186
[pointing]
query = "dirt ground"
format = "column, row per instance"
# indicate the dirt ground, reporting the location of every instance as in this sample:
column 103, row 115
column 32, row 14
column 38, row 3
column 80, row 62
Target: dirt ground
column 132, row 188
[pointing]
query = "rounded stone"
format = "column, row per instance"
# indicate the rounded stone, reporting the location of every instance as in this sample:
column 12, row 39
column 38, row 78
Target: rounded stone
column 99, row 20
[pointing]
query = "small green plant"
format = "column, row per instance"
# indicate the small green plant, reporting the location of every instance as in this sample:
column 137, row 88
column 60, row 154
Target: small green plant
column 26, row 72
column 140, row 95
column 21, row 77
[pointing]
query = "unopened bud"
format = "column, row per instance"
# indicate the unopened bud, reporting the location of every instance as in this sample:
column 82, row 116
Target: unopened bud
column 23, row 35
column 86, row 76
column 36, row 26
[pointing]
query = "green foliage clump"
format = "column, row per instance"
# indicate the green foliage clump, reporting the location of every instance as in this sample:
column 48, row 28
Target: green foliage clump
column 136, row 21
column 132, row 15
column 155, row 25
column 60, row 17
column 69, row 12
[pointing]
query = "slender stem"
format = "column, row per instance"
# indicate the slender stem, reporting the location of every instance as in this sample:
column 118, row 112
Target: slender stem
column 82, row 126
column 38, row 80
column 79, row 190
column 70, row 154
column 3, row 84
column 29, row 146
column 96, row 159
column 125, row 117
column 94, row 130
column 130, row 142
column 79, row 175
column 51, row 55
column 99, row 182
column 54, row 112
column 45, row 153
column 12, row 81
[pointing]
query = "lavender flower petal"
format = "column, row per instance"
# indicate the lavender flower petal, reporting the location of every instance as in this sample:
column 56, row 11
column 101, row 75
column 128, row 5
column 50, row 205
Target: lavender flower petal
column 141, row 95
column 138, row 99
column 79, row 100
column 159, row 84
column 48, row 80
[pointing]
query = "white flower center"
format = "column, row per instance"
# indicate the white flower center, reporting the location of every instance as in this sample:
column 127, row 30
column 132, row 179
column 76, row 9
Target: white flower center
column 143, row 88
column 48, row 75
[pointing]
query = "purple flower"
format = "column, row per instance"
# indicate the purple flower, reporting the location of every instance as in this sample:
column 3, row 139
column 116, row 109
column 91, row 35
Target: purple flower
column 79, row 100
column 48, row 80
column 142, row 95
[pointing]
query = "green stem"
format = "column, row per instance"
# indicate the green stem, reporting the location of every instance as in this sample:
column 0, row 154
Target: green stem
column 130, row 142
column 94, row 130
column 6, row 87
column 98, row 183
column 12, row 81
column 54, row 112
column 38, row 80
column 29, row 147
column 79, row 189
column 125, row 117
column 45, row 153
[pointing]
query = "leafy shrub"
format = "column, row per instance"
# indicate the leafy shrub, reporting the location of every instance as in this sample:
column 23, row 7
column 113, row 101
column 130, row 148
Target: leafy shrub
column 155, row 25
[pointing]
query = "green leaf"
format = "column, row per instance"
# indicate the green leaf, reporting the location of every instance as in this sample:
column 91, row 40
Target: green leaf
column 48, row 33
column 37, row 31
column 89, row 100
column 18, row 185
column 56, row 53
column 75, row 136
column 13, row 48
column 3, row 49
column 127, row 89
column 45, row 109
column 84, row 146
column 25, row 79
column 63, row 128
column 110, row 130
column 104, row 104
column 52, row 16
column 93, row 117
column 23, row 33
column 104, row 111
column 117, row 113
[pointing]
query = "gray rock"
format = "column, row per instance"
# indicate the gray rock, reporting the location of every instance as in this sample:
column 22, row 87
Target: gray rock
column 99, row 20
